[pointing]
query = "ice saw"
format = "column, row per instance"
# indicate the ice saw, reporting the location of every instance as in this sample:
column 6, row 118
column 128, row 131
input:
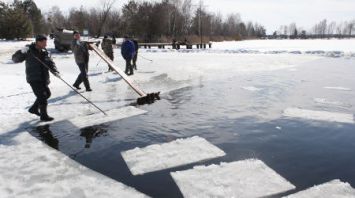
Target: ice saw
column 145, row 98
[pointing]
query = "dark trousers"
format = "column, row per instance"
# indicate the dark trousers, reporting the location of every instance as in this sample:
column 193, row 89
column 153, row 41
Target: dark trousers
column 129, row 67
column 135, row 60
column 42, row 93
column 83, row 76
column 110, row 55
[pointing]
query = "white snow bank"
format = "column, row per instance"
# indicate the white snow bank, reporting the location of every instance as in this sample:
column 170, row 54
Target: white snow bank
column 168, row 155
column 31, row 169
column 99, row 118
column 332, row 189
column 338, row 88
column 319, row 115
column 248, row 178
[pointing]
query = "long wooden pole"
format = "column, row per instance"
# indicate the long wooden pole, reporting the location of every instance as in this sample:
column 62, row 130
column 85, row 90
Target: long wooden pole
column 118, row 70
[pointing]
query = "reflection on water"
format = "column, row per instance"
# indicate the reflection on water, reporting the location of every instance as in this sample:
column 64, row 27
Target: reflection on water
column 92, row 132
column 45, row 134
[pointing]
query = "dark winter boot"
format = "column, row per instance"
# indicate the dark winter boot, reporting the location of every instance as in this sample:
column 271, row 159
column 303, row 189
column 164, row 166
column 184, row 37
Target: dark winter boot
column 76, row 86
column 131, row 70
column 34, row 109
column 87, row 84
column 44, row 115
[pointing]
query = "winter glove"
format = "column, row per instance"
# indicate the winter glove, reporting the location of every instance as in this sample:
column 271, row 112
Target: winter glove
column 89, row 46
column 24, row 50
column 57, row 74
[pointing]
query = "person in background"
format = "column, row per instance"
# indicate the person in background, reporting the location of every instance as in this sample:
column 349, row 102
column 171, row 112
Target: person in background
column 106, row 46
column 127, row 52
column 136, row 47
column 38, row 66
column 81, row 54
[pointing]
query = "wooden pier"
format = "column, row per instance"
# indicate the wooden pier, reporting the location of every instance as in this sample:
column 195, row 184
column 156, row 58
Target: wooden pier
column 176, row 46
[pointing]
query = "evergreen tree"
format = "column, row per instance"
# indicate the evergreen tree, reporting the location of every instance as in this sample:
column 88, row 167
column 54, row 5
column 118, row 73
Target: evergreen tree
column 16, row 24
column 3, row 8
column 34, row 14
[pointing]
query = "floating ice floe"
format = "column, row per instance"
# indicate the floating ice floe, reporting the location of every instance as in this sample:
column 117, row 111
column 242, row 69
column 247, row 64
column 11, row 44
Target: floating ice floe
column 335, row 188
column 338, row 88
column 112, row 115
column 29, row 168
column 328, row 102
column 168, row 155
column 251, row 88
column 243, row 179
column 319, row 115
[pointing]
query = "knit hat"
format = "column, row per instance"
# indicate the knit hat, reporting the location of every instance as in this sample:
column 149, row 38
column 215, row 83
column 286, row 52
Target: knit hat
column 41, row 37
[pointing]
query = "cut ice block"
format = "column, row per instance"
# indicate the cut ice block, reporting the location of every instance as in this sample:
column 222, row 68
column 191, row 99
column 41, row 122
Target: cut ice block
column 112, row 115
column 168, row 155
column 334, row 188
column 319, row 115
column 248, row 178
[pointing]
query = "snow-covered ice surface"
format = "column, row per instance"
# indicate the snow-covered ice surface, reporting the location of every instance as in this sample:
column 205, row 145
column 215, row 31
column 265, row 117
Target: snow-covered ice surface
column 319, row 115
column 330, row 48
column 10, row 46
column 332, row 189
column 244, row 179
column 232, row 95
column 29, row 168
column 169, row 155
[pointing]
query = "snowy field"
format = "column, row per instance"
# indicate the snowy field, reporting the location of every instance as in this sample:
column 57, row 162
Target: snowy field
column 232, row 120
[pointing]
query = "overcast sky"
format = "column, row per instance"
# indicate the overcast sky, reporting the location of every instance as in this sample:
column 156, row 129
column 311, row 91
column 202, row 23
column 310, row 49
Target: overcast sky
column 270, row 13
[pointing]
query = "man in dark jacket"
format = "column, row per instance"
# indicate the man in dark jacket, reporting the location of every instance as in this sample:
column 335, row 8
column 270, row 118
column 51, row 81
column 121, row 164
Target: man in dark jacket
column 81, row 54
column 136, row 47
column 38, row 65
column 106, row 46
column 128, row 51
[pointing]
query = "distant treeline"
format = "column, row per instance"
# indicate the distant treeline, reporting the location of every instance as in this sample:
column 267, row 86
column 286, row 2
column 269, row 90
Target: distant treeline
column 321, row 30
column 148, row 21
column 152, row 22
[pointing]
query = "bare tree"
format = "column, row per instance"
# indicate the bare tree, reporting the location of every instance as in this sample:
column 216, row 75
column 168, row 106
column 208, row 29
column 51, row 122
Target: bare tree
column 186, row 10
column 331, row 28
column 106, row 8
column 351, row 26
column 292, row 29
column 56, row 18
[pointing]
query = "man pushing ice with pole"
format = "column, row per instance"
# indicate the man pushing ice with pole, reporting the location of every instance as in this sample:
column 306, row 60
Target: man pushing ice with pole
column 38, row 65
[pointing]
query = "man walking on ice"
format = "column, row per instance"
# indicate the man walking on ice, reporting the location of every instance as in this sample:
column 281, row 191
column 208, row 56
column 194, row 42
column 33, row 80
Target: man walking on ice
column 106, row 46
column 81, row 54
column 128, row 51
column 38, row 65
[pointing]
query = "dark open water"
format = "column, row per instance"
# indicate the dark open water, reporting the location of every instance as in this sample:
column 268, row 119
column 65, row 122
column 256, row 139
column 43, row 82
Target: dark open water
column 244, row 124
